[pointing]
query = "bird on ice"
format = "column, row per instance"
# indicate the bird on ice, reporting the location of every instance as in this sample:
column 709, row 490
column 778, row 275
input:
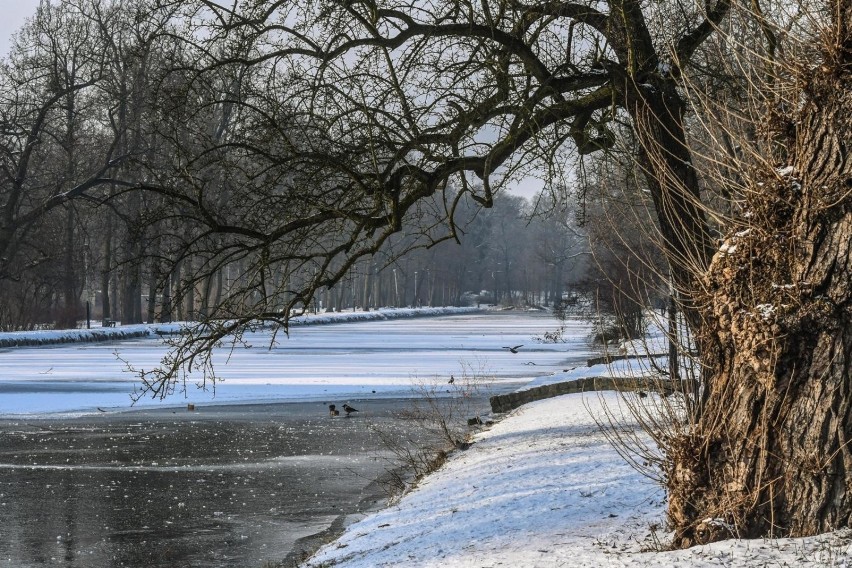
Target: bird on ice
column 348, row 409
column 452, row 379
column 513, row 349
column 332, row 410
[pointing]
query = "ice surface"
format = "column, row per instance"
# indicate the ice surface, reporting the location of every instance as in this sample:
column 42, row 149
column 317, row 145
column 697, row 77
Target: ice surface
column 377, row 357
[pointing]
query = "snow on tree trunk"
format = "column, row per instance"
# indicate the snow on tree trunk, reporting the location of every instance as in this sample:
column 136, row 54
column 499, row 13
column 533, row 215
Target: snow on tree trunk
column 771, row 453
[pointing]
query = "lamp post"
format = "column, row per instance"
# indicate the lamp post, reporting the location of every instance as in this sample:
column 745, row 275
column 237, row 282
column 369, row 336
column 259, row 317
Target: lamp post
column 416, row 303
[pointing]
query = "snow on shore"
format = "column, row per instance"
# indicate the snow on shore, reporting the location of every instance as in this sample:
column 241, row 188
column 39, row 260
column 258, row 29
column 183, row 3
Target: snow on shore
column 544, row 488
column 539, row 488
column 98, row 333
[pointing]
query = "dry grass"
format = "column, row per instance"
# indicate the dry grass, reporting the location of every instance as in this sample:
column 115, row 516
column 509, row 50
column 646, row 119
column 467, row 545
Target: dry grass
column 441, row 408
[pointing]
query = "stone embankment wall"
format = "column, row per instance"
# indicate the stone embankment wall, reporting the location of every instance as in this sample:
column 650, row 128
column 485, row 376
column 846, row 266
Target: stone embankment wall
column 511, row 401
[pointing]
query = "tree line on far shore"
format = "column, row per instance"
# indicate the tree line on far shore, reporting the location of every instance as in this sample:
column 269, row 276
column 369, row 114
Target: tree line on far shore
column 124, row 157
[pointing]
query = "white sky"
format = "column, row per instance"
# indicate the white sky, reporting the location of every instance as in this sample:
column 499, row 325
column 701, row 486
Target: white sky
column 14, row 12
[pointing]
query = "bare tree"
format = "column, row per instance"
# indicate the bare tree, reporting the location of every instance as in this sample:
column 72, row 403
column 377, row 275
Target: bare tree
column 294, row 142
column 52, row 151
column 769, row 454
column 348, row 138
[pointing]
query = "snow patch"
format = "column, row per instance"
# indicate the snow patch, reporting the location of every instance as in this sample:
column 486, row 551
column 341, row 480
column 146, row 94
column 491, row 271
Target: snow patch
column 765, row 311
column 728, row 248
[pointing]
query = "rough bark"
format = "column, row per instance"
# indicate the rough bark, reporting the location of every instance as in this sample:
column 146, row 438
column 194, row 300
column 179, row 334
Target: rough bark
column 771, row 452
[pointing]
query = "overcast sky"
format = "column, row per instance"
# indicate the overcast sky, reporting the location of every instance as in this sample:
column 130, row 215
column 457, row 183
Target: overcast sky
column 12, row 16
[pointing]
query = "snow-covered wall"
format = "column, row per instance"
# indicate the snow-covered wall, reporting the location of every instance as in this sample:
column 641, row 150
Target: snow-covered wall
column 60, row 336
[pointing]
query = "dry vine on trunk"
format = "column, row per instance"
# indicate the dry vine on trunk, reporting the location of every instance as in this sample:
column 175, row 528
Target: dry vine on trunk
column 770, row 453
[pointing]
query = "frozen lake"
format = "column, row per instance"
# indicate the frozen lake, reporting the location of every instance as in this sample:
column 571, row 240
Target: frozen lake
column 347, row 360
column 240, row 480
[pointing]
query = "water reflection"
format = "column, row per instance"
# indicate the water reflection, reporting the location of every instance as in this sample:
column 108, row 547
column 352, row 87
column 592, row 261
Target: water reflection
column 234, row 488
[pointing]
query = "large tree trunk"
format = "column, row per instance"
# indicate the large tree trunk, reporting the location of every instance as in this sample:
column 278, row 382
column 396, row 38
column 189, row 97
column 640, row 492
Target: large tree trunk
column 771, row 453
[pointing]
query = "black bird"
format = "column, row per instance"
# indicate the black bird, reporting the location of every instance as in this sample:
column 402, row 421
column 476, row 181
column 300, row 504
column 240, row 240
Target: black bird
column 452, row 380
column 332, row 410
column 348, row 409
column 513, row 349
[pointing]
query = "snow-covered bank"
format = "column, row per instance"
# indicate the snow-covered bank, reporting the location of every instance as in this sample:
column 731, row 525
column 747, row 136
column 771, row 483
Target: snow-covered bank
column 543, row 488
column 540, row 488
column 380, row 314
column 60, row 336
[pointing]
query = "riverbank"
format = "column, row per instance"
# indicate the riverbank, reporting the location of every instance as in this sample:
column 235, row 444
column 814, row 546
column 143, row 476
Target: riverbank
column 98, row 333
column 544, row 488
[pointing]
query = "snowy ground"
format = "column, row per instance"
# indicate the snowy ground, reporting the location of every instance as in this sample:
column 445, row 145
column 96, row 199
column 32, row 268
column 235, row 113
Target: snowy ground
column 543, row 488
column 118, row 332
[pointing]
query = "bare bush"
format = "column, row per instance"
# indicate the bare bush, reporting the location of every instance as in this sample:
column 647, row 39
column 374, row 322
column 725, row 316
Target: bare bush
column 446, row 410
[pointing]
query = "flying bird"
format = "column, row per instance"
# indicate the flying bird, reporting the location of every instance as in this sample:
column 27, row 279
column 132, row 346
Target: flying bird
column 348, row 409
column 513, row 349
column 332, row 410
